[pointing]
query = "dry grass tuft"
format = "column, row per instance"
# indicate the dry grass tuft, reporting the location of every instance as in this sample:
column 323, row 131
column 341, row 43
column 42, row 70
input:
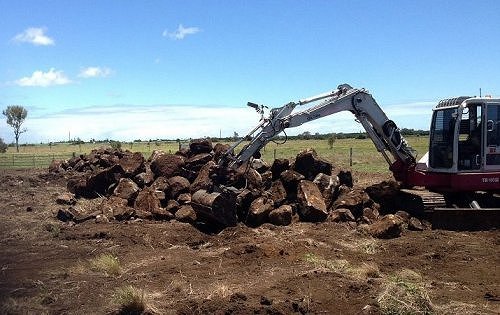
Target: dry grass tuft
column 220, row 291
column 405, row 293
column 130, row 300
column 107, row 263
column 335, row 265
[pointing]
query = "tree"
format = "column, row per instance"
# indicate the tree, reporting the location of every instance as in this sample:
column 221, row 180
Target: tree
column 16, row 115
column 331, row 141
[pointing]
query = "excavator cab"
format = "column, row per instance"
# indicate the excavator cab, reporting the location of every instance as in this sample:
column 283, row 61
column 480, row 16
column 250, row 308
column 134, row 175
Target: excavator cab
column 465, row 135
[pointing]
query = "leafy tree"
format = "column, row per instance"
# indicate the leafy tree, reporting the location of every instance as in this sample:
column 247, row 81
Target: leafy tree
column 3, row 146
column 16, row 115
column 331, row 141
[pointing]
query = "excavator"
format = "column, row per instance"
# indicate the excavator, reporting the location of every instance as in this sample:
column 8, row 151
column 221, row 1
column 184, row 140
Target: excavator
column 458, row 178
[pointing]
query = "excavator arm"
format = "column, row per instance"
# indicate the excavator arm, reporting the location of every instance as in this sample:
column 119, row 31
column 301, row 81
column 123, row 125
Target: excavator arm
column 383, row 132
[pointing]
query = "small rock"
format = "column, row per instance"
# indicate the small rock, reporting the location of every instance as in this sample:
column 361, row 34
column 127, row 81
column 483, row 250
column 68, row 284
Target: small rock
column 345, row 178
column 389, row 226
column 66, row 215
column 66, row 199
column 341, row 215
column 184, row 198
column 403, row 215
column 264, row 300
column 278, row 167
column 172, row 206
column 101, row 218
column 414, row 224
column 185, row 214
column 278, row 193
column 290, row 180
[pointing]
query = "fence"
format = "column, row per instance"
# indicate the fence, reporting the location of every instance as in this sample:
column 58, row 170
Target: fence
column 31, row 160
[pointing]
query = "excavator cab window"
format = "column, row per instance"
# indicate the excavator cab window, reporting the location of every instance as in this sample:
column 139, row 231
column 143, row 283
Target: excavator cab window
column 493, row 136
column 469, row 138
column 442, row 138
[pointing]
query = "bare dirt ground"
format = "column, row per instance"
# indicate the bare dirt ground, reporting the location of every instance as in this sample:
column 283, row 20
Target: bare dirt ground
column 328, row 268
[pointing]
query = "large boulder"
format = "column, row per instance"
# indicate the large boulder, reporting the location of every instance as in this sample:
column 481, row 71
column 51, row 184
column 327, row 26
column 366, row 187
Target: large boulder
column 78, row 186
column 327, row 184
column 281, row 215
column 345, row 178
column 219, row 150
column 217, row 209
column 355, row 200
column 309, row 164
column 311, row 204
column 126, row 189
column 196, row 162
column 277, row 193
column 147, row 201
column 176, row 186
column 279, row 166
column 132, row 164
column 259, row 210
column 167, row 165
column 290, row 180
column 243, row 201
column 144, row 179
column 200, row 146
column 99, row 182
column 203, row 180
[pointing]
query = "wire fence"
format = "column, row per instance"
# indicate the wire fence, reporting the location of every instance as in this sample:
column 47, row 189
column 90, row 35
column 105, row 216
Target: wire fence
column 31, row 160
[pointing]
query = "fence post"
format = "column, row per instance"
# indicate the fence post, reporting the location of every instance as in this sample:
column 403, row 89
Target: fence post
column 274, row 154
column 350, row 157
column 13, row 163
column 34, row 163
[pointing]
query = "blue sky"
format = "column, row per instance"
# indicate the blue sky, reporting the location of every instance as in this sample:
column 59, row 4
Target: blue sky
column 169, row 69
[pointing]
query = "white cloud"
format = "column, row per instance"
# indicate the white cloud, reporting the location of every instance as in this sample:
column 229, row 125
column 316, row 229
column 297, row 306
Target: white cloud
column 95, row 72
column 35, row 36
column 39, row 78
column 181, row 32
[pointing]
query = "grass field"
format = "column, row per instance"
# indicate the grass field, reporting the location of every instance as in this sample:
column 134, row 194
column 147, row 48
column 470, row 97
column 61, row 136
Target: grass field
column 365, row 157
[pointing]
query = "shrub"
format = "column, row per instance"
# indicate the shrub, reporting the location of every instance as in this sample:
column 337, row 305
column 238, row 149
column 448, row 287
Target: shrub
column 3, row 146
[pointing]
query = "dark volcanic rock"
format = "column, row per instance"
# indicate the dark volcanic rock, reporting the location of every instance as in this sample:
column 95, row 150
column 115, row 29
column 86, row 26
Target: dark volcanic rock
column 290, row 180
column 278, row 193
column 200, row 146
column 414, row 224
column 203, row 180
column 309, row 164
column 278, row 167
column 132, row 164
column 176, row 186
column 219, row 150
column 327, row 184
column 311, row 204
column 98, row 183
column 345, row 178
column 259, row 210
column 144, row 179
column 186, row 214
column 66, row 199
column 243, row 202
column 355, row 200
column 78, row 186
column 167, row 165
column 126, row 189
column 389, row 226
column 116, row 207
column 281, row 215
column 147, row 201
column 341, row 215
column 195, row 162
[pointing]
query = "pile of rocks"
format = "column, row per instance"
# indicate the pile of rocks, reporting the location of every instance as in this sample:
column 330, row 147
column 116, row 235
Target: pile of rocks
column 189, row 186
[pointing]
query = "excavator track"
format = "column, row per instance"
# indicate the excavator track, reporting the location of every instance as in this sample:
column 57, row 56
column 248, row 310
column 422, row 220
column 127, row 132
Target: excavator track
column 444, row 213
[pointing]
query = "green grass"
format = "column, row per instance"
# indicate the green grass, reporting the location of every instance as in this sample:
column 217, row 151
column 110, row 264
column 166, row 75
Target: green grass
column 106, row 263
column 365, row 156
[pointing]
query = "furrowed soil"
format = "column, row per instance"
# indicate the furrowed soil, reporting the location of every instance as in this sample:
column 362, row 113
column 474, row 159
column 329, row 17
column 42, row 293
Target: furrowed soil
column 49, row 267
